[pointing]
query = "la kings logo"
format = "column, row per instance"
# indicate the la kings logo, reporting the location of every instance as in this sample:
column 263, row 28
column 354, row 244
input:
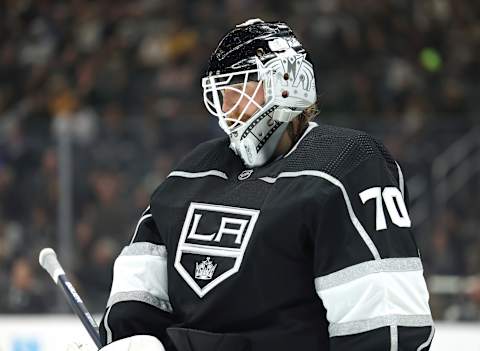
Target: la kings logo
column 212, row 244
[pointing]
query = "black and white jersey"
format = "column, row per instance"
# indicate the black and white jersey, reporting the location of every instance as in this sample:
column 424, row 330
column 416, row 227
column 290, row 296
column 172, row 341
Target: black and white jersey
column 313, row 251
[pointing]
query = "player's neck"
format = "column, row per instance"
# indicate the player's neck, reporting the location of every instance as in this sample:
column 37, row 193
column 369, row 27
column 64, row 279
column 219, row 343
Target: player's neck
column 284, row 145
column 287, row 140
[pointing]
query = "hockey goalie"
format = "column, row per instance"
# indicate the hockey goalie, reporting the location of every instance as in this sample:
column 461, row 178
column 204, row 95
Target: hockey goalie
column 285, row 234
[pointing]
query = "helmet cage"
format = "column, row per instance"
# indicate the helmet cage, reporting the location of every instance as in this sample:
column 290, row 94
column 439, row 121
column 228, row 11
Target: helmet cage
column 214, row 87
column 287, row 80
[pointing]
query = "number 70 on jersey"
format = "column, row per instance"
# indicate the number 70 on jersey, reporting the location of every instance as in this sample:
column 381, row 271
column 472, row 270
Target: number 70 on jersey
column 394, row 202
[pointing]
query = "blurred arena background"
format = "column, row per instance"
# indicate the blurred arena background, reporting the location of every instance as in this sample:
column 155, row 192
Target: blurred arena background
column 98, row 99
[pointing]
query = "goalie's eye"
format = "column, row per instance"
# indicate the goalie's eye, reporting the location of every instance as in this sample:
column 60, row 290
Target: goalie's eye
column 233, row 88
column 242, row 78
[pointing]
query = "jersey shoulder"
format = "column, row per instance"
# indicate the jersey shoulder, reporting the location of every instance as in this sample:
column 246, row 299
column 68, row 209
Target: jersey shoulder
column 337, row 151
column 209, row 155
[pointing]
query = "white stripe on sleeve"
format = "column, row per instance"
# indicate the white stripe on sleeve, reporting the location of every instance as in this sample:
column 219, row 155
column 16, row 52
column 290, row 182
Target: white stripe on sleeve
column 375, row 294
column 140, row 274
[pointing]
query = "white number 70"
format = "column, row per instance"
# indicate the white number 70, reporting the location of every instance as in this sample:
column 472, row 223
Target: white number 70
column 398, row 213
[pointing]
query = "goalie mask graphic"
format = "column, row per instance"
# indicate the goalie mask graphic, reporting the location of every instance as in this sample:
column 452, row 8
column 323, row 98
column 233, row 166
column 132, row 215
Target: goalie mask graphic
column 267, row 74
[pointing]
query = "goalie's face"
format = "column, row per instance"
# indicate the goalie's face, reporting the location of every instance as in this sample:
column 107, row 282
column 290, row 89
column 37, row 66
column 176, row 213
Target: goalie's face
column 240, row 102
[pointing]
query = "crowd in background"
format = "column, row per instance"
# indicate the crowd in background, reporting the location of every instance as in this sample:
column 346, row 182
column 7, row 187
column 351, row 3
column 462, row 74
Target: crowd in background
column 126, row 75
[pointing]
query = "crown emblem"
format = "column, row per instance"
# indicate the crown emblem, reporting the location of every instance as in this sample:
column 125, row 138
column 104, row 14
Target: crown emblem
column 205, row 269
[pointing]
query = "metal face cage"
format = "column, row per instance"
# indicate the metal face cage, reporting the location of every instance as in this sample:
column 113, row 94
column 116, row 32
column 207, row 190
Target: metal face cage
column 215, row 86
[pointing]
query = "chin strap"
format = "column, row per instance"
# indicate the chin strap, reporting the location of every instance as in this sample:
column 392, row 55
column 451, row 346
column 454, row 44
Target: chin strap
column 285, row 114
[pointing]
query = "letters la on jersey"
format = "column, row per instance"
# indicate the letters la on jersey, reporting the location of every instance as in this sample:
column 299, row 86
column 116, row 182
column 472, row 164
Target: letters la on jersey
column 212, row 244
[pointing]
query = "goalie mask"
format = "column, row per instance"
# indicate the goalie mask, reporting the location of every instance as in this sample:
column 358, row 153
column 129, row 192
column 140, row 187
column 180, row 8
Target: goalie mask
column 269, row 54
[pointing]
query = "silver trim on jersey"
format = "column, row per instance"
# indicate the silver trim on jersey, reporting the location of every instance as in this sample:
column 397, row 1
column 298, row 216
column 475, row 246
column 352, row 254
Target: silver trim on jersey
column 107, row 327
column 141, row 296
column 356, row 327
column 401, row 180
column 359, row 270
column 429, row 340
column 311, row 125
column 393, row 338
column 184, row 174
column 144, row 248
column 356, row 223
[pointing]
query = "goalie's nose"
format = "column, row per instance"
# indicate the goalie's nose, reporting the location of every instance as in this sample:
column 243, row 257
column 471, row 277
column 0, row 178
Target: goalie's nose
column 229, row 100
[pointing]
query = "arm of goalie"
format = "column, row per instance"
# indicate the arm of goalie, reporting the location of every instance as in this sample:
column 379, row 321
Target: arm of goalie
column 133, row 343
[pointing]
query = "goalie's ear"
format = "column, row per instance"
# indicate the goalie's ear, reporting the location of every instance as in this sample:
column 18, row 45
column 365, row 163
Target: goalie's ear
column 135, row 343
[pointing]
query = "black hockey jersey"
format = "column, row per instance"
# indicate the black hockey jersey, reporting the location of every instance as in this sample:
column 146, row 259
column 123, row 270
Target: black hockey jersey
column 312, row 251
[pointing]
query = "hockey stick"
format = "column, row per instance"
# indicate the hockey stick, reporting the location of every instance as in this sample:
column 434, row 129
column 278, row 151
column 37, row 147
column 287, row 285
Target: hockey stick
column 48, row 260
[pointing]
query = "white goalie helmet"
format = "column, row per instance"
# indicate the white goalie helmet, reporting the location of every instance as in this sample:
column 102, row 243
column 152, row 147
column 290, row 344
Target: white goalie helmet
column 269, row 53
